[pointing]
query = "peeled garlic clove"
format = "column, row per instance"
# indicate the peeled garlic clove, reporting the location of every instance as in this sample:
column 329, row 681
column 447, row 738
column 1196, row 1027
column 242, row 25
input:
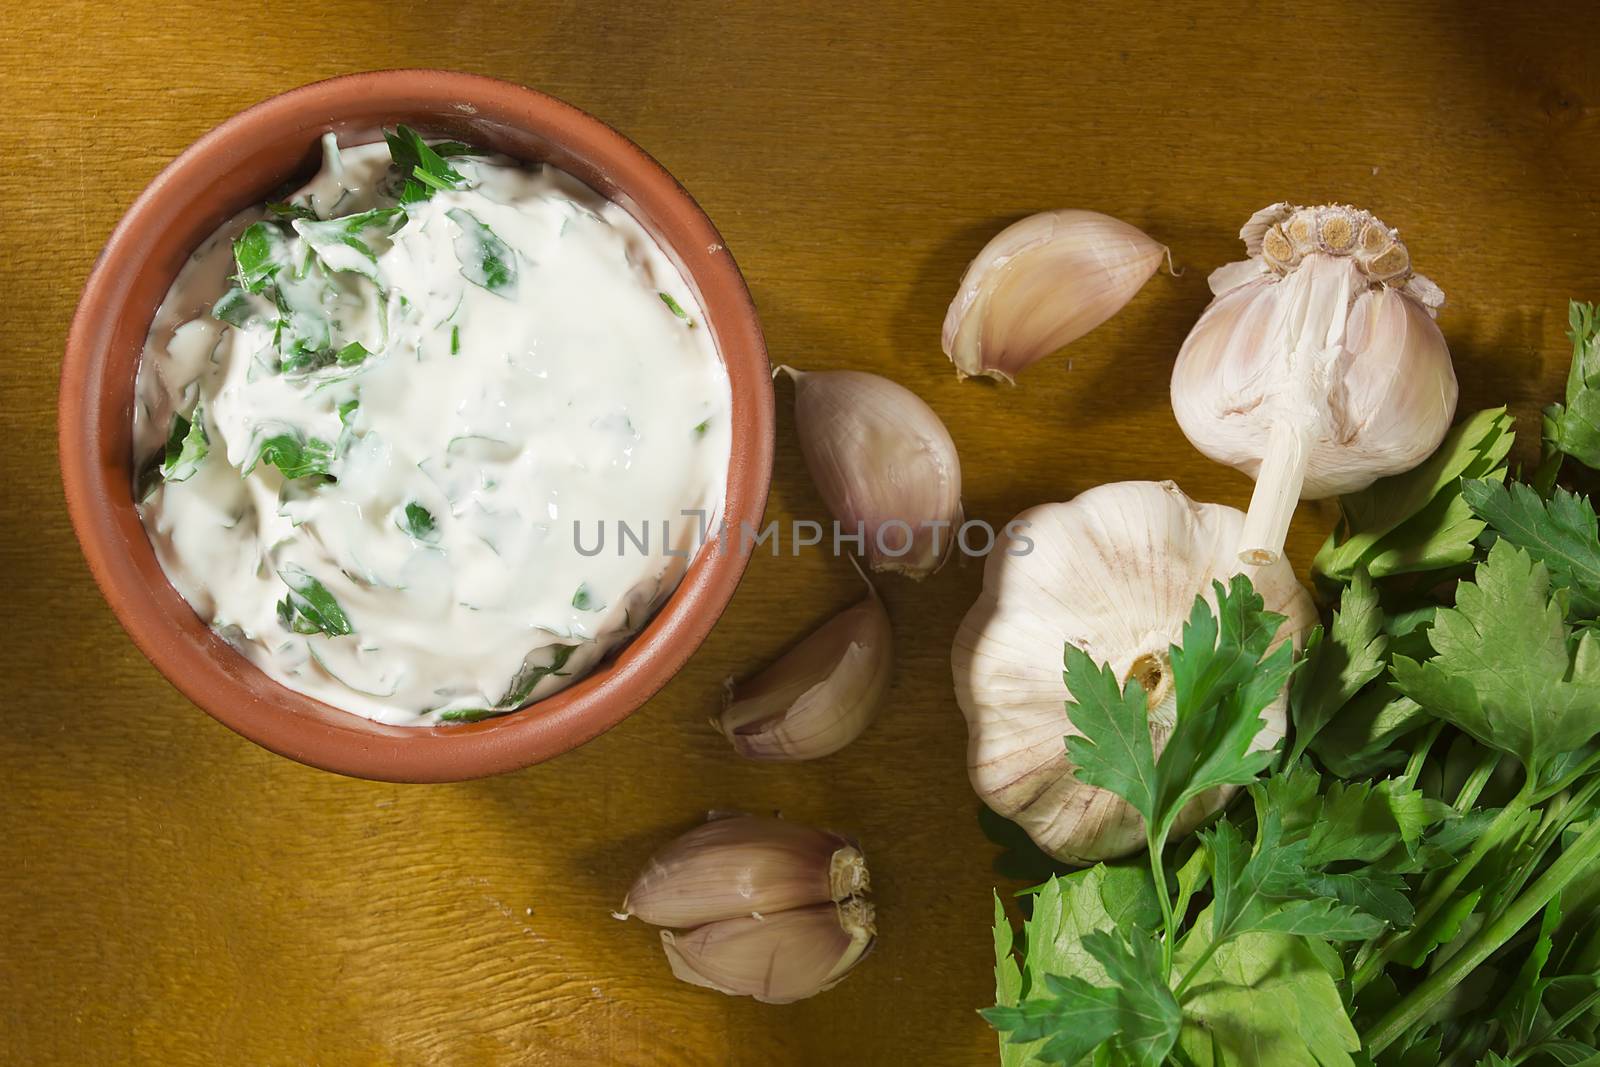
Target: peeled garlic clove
column 1115, row 572
column 741, row 865
column 820, row 695
column 1041, row 284
column 1318, row 368
column 777, row 958
column 884, row 464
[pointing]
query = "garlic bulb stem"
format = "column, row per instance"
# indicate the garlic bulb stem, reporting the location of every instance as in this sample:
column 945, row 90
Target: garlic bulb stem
column 1272, row 504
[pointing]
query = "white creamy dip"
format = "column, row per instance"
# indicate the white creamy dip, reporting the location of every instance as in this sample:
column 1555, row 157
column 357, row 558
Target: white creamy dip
column 401, row 429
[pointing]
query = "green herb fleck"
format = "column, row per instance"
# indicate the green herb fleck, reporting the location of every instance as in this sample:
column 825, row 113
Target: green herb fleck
column 258, row 254
column 234, row 308
column 470, row 714
column 457, row 148
column 187, row 445
column 455, row 340
column 584, row 599
column 522, row 685
column 310, row 608
column 302, row 334
column 298, row 361
column 354, row 242
column 676, row 308
column 423, row 170
column 285, row 210
column 700, row 430
column 352, row 354
column 419, row 523
column 295, row 455
column 485, row 260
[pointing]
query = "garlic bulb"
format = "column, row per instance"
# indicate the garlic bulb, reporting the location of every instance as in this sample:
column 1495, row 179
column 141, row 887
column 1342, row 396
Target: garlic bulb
column 820, row 695
column 744, row 864
column 778, row 958
column 1115, row 572
column 884, row 464
column 1042, row 283
column 777, row 910
column 1318, row 368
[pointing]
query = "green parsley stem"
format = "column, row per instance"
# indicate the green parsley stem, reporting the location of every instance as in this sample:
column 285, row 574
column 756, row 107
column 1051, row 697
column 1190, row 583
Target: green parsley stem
column 1503, row 825
column 1566, row 780
column 1205, row 958
column 1569, row 865
column 1420, row 755
column 1557, row 818
column 1473, row 786
column 1555, row 1029
column 1156, row 843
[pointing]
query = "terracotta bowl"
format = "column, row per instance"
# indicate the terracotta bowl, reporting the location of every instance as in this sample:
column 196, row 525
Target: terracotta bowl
column 251, row 158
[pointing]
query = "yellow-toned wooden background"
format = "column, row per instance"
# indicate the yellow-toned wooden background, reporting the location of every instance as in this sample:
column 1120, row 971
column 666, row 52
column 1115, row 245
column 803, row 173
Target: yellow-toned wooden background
column 170, row 894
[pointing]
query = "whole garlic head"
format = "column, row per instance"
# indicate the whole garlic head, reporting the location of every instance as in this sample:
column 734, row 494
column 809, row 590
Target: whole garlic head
column 1115, row 572
column 1318, row 368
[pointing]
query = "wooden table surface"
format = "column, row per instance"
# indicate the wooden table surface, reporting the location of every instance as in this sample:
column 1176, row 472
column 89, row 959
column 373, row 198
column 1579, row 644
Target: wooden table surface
column 172, row 894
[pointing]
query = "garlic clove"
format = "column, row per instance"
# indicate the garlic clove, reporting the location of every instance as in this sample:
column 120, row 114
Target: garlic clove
column 776, row 958
column 1319, row 369
column 743, row 864
column 1042, row 283
column 1115, row 571
column 820, row 695
column 884, row 464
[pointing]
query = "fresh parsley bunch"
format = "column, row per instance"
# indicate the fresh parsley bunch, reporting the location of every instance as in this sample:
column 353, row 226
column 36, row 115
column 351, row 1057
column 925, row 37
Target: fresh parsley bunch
column 1416, row 881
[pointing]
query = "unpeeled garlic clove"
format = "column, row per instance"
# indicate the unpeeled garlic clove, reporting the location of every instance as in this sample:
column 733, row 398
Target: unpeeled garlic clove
column 1042, row 283
column 776, row 958
column 820, row 695
column 1318, row 368
column 740, row 865
column 884, row 464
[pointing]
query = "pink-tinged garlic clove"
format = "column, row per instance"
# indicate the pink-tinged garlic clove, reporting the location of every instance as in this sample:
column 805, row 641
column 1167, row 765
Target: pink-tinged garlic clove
column 884, row 465
column 820, row 695
column 1042, row 283
column 742, row 865
column 776, row 958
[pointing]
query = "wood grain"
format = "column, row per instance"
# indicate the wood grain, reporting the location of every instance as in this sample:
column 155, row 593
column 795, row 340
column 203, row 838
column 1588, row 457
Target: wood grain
column 174, row 895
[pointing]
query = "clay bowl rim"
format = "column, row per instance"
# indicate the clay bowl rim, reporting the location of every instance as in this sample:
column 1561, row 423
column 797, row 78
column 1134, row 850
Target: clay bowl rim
column 95, row 463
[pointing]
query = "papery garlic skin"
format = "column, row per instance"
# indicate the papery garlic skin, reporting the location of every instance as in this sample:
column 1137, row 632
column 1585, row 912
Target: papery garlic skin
column 1318, row 368
column 884, row 464
column 740, row 865
column 1042, row 283
column 820, row 695
column 1115, row 571
column 776, row 958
